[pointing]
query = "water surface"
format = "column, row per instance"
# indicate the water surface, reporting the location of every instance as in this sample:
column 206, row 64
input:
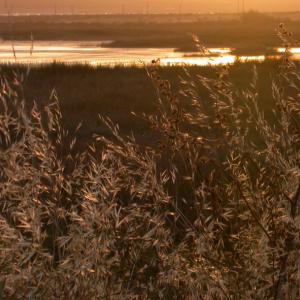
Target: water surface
column 99, row 53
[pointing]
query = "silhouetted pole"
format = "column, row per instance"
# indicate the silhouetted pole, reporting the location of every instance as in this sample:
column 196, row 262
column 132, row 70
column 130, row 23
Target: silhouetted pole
column 240, row 6
column 55, row 8
column 6, row 10
column 180, row 10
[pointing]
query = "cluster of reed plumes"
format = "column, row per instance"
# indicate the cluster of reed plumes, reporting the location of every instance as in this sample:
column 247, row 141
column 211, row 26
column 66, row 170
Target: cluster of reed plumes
column 211, row 212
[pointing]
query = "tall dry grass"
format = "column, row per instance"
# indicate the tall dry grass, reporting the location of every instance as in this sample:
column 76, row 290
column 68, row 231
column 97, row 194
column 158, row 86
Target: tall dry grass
column 211, row 212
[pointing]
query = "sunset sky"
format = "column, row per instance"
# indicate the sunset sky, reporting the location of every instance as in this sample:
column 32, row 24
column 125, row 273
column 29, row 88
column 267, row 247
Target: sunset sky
column 138, row 6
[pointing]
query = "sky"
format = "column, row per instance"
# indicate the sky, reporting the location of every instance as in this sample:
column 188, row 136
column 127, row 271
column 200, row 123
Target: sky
column 140, row 6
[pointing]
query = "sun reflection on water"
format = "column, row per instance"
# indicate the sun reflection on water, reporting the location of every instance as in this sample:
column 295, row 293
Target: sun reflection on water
column 97, row 53
column 295, row 50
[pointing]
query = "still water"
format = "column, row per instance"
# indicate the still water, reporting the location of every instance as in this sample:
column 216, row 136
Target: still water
column 99, row 53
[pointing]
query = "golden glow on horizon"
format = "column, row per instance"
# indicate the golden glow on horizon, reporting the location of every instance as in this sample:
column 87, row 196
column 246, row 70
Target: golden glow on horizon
column 292, row 50
column 45, row 52
column 142, row 6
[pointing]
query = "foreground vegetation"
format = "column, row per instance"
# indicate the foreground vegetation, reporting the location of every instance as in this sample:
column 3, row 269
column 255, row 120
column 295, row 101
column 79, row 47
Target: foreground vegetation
column 211, row 211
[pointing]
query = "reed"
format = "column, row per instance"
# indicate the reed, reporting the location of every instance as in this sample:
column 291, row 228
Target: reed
column 210, row 211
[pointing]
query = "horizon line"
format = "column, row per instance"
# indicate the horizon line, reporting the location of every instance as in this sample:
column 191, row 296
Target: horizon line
column 3, row 14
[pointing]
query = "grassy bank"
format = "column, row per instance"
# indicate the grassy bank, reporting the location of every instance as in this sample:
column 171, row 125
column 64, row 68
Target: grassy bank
column 85, row 92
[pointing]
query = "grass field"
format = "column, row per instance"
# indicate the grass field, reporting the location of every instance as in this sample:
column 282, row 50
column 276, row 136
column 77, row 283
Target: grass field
column 84, row 92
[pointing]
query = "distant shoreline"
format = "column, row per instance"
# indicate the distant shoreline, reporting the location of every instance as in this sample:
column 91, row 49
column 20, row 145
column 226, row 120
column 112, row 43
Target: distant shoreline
column 256, row 32
column 67, row 13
